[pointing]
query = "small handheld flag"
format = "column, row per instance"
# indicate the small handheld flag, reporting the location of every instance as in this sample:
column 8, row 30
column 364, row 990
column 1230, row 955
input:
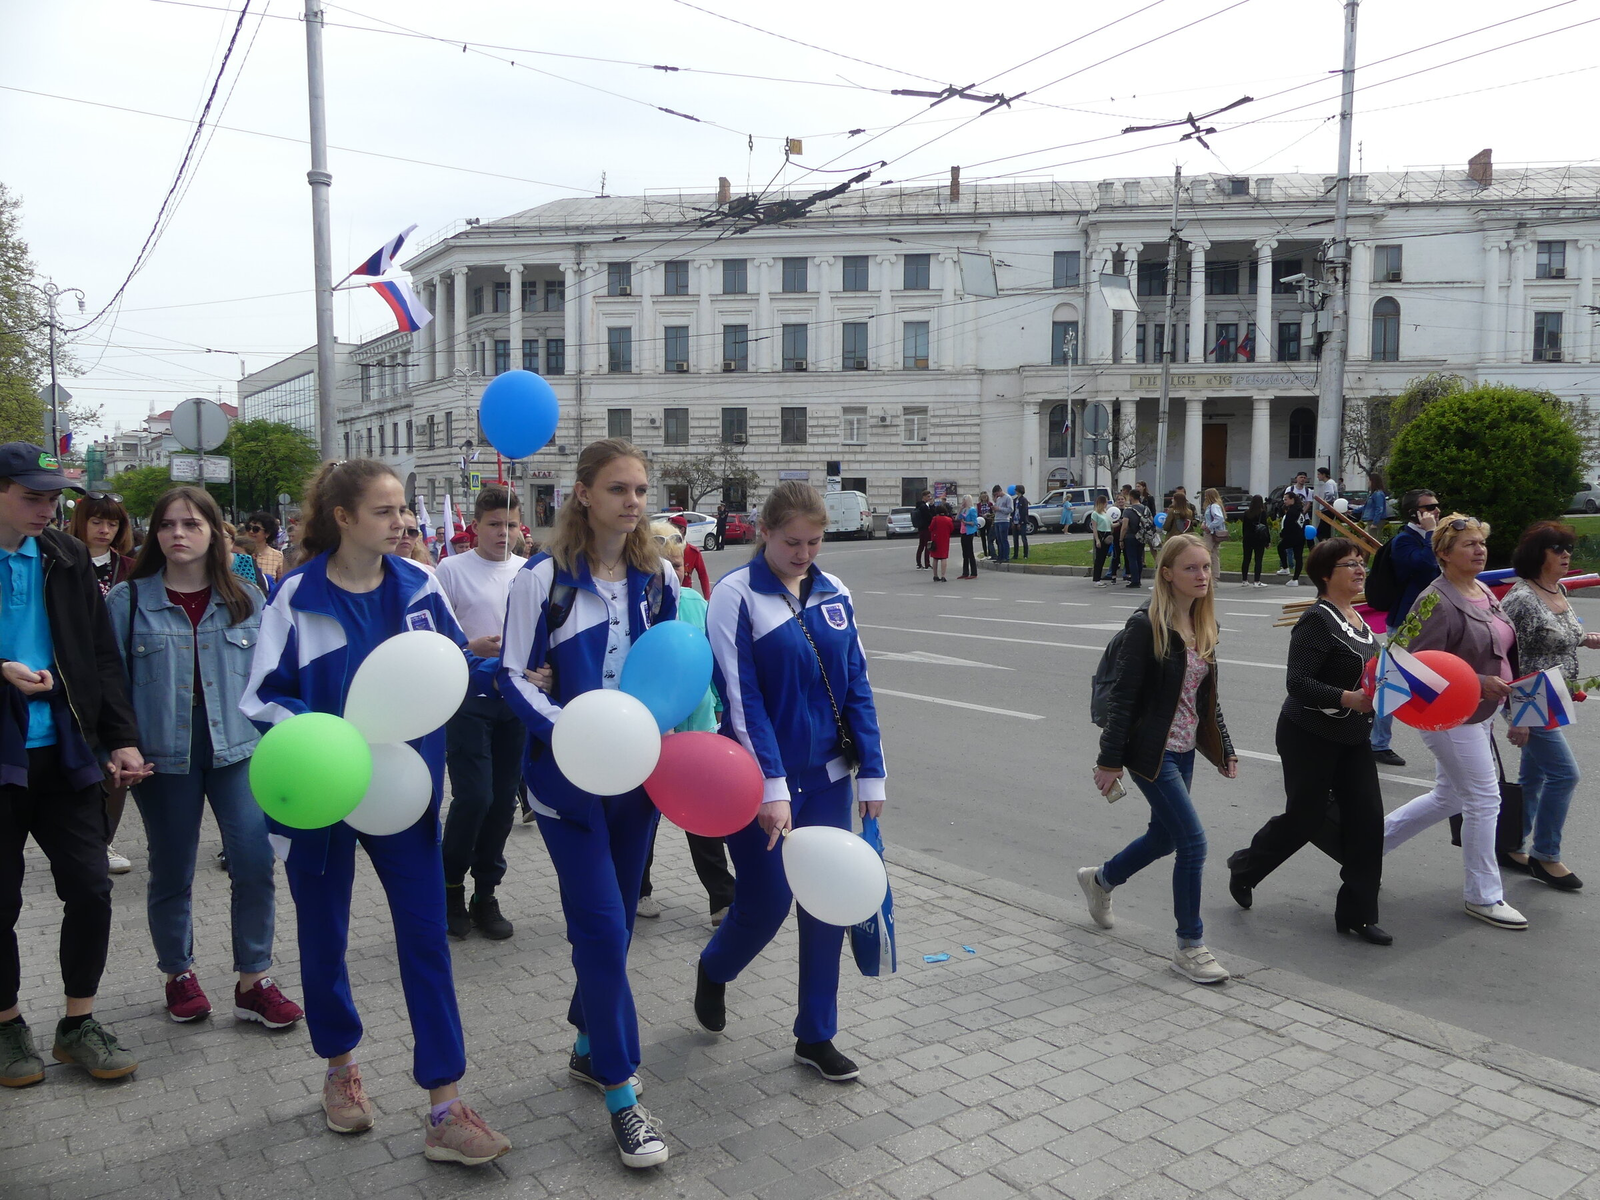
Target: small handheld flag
column 402, row 301
column 1400, row 676
column 447, row 530
column 1541, row 700
column 383, row 258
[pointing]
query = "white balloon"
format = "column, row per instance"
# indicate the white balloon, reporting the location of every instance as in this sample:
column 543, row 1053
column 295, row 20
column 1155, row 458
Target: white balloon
column 1341, row 504
column 398, row 794
column 835, row 875
column 606, row 742
column 408, row 687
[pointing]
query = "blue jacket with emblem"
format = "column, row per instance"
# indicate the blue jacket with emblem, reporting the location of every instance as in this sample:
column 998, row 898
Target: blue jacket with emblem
column 767, row 675
column 576, row 649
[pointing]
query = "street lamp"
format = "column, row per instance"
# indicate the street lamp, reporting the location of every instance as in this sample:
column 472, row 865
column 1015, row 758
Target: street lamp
column 52, row 297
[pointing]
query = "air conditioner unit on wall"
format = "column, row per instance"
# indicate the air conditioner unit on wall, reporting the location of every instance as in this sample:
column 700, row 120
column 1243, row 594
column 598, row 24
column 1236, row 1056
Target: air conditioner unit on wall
column 654, row 421
column 1558, row 272
column 680, row 366
column 799, row 364
column 729, row 365
column 740, row 439
column 624, row 290
column 883, row 418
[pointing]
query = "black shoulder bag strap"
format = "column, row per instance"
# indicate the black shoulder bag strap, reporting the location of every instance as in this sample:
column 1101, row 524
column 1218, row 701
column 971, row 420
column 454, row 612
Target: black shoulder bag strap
column 847, row 742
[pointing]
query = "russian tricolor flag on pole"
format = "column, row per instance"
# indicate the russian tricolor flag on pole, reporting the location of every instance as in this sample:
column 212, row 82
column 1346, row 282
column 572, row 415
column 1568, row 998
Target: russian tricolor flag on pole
column 383, row 258
column 403, row 302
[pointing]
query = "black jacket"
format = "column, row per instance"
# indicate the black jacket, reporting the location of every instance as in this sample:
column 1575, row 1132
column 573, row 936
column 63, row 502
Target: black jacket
column 88, row 664
column 1144, row 699
column 921, row 516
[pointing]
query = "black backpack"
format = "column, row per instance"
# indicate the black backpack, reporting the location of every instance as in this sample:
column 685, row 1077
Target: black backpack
column 1383, row 585
column 1105, row 674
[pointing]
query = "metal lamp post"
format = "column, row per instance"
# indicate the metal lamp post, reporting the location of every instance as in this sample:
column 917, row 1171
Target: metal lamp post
column 52, row 297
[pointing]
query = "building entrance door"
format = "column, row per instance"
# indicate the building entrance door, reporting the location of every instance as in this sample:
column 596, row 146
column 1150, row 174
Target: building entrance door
column 1213, row 457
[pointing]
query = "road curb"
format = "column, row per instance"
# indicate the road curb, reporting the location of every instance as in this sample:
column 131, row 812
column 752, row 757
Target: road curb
column 1567, row 1079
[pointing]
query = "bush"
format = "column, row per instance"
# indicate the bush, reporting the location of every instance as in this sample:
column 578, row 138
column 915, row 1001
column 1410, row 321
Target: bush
column 1502, row 454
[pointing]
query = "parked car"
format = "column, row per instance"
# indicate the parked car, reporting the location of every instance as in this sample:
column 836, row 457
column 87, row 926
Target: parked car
column 900, row 523
column 1235, row 503
column 849, row 514
column 701, row 531
column 739, row 531
column 1587, row 501
column 1052, row 511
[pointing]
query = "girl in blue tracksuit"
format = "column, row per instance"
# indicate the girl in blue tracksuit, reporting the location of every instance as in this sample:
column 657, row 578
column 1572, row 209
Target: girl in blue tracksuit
column 789, row 666
column 325, row 618
column 577, row 608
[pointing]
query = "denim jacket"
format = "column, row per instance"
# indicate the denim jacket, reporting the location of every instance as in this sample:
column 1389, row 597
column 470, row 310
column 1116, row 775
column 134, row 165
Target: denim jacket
column 159, row 658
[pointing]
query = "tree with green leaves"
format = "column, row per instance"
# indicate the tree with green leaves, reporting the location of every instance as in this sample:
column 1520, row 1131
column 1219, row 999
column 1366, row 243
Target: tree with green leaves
column 24, row 335
column 268, row 458
column 718, row 467
column 140, row 488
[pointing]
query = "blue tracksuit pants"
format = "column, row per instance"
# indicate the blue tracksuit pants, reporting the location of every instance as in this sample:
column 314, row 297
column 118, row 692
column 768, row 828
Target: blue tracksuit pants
column 409, row 867
column 600, row 864
column 761, row 902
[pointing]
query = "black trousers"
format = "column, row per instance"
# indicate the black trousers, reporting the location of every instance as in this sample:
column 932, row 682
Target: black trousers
column 922, row 548
column 1019, row 538
column 1102, row 549
column 70, row 827
column 484, row 744
column 1296, row 548
column 1315, row 771
column 1256, row 552
column 969, row 560
column 710, row 864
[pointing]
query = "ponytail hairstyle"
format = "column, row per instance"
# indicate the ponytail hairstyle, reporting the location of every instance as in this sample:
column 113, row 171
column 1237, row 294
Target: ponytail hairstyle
column 152, row 559
column 791, row 498
column 336, row 485
column 572, row 537
column 1164, row 601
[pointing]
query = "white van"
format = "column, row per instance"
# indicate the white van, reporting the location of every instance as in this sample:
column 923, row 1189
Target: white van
column 849, row 515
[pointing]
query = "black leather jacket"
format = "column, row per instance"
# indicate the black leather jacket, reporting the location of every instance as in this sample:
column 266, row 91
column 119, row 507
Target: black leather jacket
column 1144, row 699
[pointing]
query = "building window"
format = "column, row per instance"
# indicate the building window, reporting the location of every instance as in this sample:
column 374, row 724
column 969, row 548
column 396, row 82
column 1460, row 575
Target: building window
column 411, row 442
column 502, row 355
column 855, row 273
column 675, row 427
column 915, row 277
column 1225, row 345
column 383, row 440
column 1067, row 268
column 1237, row 187
column 1303, row 433
column 912, row 487
column 1222, row 279
column 735, row 424
column 619, row 423
column 1152, row 279
column 449, row 431
column 619, row 351
column 530, row 297
column 735, row 276
column 914, row 424
column 1550, row 261
column 366, row 381
column 736, row 347
column 675, row 339
column 675, row 279
column 347, row 443
column 477, row 301
column 795, row 339
column 1386, row 262
column 530, row 354
column 853, row 424
column 1386, row 330
column 1061, row 431
column 619, row 279
column 502, row 297
column 1288, row 341
column 555, row 356
column 1547, row 336
column 794, row 275
column 914, row 353
column 1139, row 344
column 1282, row 268
column 855, row 346
column 555, row 295
column 853, row 483
column 793, row 427
column 1063, row 343
column 433, row 434
column 394, row 436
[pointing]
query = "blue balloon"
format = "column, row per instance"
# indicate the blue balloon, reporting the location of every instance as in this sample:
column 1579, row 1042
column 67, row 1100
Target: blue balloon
column 518, row 412
column 1012, row 490
column 1311, row 533
column 668, row 670
column 1161, row 520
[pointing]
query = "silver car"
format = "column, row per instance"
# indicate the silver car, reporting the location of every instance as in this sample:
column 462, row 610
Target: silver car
column 1586, row 501
column 900, row 523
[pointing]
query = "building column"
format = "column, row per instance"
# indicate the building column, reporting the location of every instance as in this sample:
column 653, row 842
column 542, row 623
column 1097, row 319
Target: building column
column 459, row 355
column 822, row 349
column 1028, row 469
column 440, row 342
column 646, row 346
column 514, row 270
column 1493, row 322
column 885, row 340
column 422, row 343
column 1360, row 336
column 571, row 280
column 705, row 344
column 1518, row 348
column 1583, row 342
column 1193, row 418
column 1130, row 321
column 1197, row 304
column 1266, row 344
column 942, row 349
column 766, row 338
column 1260, row 445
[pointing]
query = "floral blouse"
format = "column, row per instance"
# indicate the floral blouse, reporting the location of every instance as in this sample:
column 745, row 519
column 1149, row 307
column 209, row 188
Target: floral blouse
column 1544, row 638
column 1181, row 734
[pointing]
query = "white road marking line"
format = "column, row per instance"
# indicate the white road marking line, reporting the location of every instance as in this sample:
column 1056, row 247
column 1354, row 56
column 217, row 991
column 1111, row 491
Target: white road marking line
column 983, row 708
column 989, row 637
column 1427, row 783
column 1261, row 616
column 1076, row 604
column 872, row 593
column 1030, row 601
column 940, row 660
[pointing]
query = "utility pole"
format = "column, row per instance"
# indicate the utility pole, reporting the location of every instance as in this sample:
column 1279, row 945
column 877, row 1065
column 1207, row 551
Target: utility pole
column 321, row 231
column 52, row 298
column 1330, row 395
column 1168, row 341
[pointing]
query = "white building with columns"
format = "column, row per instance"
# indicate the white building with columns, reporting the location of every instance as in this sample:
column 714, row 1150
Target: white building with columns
column 842, row 343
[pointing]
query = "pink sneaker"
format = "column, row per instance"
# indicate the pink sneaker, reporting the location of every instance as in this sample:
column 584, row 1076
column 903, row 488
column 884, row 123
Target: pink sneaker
column 185, row 1001
column 344, row 1101
column 464, row 1138
column 263, row 1002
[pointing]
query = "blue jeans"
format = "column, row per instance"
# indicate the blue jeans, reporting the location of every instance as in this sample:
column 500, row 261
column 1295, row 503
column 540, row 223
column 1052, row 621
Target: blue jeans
column 484, row 746
column 171, row 806
column 1002, row 541
column 1133, row 559
column 1549, row 777
column 1174, row 826
column 1382, row 732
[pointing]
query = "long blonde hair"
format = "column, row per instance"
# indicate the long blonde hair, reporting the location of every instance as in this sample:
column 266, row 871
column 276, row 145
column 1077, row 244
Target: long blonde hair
column 572, row 537
column 1164, row 602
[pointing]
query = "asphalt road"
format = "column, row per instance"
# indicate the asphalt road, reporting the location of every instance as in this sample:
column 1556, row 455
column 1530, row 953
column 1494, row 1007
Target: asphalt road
column 982, row 690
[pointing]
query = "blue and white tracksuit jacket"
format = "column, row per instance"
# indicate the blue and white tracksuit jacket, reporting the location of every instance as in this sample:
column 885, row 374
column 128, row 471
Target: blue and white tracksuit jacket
column 302, row 665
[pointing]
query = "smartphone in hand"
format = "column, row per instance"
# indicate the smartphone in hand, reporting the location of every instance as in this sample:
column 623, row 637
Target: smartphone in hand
column 1117, row 792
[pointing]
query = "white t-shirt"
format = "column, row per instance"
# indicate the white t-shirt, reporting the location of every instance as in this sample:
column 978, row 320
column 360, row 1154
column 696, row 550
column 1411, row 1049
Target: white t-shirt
column 478, row 589
column 615, row 594
column 1328, row 490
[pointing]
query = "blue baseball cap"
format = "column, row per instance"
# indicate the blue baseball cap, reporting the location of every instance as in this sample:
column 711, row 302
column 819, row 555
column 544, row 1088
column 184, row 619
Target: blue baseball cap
column 33, row 467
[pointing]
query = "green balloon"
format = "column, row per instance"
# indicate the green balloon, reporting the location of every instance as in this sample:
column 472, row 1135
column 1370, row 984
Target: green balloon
column 311, row 771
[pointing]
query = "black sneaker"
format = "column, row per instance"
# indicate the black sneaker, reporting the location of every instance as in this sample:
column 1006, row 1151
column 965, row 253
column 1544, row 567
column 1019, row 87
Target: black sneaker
column 830, row 1064
column 710, row 1005
column 638, row 1140
column 457, row 921
column 580, row 1068
column 486, row 916
column 1388, row 758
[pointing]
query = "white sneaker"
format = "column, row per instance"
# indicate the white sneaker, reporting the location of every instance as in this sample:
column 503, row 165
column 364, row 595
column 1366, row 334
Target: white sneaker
column 115, row 863
column 1099, row 898
column 1259, row 583
column 1500, row 914
column 1292, row 583
column 648, row 907
column 1245, row 583
column 1283, row 570
column 1199, row 964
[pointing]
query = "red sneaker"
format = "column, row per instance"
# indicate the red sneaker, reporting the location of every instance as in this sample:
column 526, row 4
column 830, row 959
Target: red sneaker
column 265, row 1003
column 185, row 1001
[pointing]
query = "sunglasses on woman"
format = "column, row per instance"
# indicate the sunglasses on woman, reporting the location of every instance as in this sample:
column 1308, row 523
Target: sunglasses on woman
column 410, row 533
column 1458, row 525
column 1562, row 548
column 104, row 496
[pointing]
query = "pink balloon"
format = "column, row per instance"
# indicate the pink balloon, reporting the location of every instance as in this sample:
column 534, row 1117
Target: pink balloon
column 706, row 783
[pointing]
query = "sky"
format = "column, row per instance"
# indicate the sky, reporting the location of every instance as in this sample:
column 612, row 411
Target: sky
column 482, row 108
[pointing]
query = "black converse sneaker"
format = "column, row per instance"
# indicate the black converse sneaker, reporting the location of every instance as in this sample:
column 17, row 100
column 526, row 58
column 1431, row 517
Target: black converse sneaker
column 638, row 1140
column 829, row 1063
column 457, row 920
column 710, row 1008
column 580, row 1068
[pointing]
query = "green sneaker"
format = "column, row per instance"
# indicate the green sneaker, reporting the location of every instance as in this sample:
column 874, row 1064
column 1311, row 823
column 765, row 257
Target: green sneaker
column 20, row 1063
column 94, row 1048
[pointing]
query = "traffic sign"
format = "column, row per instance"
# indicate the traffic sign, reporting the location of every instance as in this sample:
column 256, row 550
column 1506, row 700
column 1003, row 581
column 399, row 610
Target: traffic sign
column 216, row 468
column 61, row 395
column 199, row 425
column 183, row 468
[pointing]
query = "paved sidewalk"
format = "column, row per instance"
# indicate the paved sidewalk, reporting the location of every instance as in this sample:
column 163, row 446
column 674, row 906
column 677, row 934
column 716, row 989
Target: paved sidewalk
column 1056, row 1061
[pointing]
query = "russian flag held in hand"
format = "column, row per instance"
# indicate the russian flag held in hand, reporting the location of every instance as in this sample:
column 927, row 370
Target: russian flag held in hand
column 383, row 258
column 403, row 302
column 1400, row 677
